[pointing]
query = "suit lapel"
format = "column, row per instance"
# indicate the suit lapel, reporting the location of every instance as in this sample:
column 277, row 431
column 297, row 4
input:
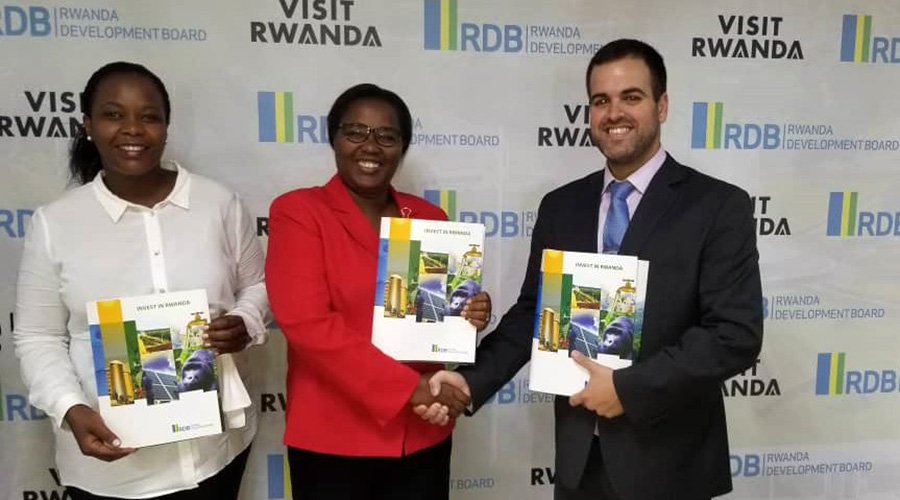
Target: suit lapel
column 661, row 194
column 350, row 216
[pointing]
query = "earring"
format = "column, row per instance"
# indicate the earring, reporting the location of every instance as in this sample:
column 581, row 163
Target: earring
column 89, row 138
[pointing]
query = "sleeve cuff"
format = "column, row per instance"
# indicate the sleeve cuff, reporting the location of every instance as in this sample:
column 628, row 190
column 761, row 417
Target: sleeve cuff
column 387, row 410
column 256, row 328
column 233, row 393
column 62, row 406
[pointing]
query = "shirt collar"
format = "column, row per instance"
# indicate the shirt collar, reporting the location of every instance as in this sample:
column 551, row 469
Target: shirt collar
column 114, row 206
column 343, row 200
column 641, row 177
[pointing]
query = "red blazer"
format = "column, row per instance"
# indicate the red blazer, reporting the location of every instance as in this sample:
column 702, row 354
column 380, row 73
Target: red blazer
column 344, row 396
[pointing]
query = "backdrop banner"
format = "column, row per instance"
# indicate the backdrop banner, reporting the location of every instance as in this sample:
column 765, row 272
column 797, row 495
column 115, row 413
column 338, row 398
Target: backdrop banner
column 796, row 102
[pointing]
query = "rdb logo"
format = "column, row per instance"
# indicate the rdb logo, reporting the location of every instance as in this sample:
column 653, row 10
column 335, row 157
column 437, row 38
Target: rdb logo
column 746, row 465
column 443, row 31
column 14, row 222
column 710, row 131
column 504, row 224
column 19, row 21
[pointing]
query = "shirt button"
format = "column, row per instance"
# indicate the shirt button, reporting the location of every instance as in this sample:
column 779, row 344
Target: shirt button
column 156, row 253
column 162, row 290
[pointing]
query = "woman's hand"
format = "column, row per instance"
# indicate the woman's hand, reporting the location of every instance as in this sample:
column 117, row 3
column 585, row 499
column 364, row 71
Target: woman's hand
column 227, row 334
column 478, row 310
column 93, row 436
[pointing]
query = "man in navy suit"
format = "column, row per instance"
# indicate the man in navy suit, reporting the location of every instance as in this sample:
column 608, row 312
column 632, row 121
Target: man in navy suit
column 657, row 428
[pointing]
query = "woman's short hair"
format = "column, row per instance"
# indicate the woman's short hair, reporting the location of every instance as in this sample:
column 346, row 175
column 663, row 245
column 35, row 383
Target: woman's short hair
column 369, row 91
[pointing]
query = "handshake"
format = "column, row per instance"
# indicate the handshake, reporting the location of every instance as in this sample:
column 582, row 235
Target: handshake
column 440, row 396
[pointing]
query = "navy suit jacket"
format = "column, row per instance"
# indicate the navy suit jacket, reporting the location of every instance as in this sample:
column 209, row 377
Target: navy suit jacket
column 702, row 324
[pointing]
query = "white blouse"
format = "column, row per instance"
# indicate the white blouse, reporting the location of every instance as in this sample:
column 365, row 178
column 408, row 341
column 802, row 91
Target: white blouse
column 90, row 245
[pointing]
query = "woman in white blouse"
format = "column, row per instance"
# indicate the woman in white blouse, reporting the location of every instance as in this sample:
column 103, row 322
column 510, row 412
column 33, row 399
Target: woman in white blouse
column 136, row 225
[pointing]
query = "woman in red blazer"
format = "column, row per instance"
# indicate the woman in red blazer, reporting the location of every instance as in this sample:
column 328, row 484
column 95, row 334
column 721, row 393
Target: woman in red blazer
column 351, row 432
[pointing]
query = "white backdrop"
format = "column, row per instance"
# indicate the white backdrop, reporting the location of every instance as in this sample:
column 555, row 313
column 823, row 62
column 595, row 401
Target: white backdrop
column 500, row 120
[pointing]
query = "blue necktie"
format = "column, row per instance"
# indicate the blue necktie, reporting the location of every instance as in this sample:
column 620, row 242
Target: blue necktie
column 617, row 216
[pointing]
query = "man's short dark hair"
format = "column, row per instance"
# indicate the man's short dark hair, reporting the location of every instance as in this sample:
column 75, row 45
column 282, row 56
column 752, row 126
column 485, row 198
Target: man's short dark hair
column 626, row 47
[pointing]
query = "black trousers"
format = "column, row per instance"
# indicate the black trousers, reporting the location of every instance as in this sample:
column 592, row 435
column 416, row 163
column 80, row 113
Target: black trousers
column 424, row 475
column 595, row 484
column 224, row 485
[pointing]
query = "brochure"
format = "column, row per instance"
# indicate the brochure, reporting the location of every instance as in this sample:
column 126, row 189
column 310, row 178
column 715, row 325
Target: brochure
column 589, row 302
column 155, row 381
column 426, row 271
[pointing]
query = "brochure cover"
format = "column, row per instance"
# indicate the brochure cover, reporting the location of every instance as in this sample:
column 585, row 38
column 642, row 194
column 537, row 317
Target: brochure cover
column 155, row 381
column 426, row 271
column 589, row 302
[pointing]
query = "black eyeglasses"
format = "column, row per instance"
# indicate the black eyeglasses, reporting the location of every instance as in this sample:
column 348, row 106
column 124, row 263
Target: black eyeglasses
column 360, row 132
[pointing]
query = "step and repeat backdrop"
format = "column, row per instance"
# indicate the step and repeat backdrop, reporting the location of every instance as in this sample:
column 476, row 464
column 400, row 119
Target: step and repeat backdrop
column 794, row 101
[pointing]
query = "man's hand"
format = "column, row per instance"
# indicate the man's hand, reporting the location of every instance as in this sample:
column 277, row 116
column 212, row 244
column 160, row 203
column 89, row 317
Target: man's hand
column 599, row 395
column 478, row 310
column 227, row 334
column 440, row 383
column 92, row 435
